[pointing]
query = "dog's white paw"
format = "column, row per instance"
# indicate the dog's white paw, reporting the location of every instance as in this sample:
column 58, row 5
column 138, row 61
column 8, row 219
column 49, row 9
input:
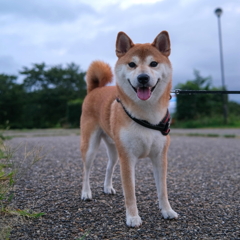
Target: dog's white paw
column 169, row 214
column 86, row 195
column 109, row 190
column 134, row 221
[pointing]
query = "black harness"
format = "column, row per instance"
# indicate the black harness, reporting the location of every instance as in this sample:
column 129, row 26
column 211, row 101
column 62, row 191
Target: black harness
column 163, row 126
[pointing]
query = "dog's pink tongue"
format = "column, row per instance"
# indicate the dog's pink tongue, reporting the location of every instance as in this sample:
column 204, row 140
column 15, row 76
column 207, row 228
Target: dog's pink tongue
column 143, row 93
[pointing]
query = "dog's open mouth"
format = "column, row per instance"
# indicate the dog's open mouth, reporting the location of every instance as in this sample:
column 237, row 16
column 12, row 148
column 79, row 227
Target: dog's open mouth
column 144, row 92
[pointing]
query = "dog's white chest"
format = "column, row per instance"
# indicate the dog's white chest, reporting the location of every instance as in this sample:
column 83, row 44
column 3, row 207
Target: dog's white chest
column 142, row 142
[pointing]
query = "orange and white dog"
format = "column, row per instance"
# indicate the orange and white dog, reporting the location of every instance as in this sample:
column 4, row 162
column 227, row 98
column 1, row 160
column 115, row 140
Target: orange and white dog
column 132, row 118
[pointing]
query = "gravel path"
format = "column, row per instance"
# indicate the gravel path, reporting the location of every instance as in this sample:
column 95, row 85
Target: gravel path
column 203, row 185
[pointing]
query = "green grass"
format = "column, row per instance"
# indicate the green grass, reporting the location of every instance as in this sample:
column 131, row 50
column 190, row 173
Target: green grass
column 212, row 135
column 208, row 122
column 10, row 172
column 84, row 236
column 229, row 136
column 205, row 135
column 26, row 213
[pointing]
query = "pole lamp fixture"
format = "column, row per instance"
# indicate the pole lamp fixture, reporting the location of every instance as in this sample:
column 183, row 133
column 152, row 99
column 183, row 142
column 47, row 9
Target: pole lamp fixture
column 219, row 12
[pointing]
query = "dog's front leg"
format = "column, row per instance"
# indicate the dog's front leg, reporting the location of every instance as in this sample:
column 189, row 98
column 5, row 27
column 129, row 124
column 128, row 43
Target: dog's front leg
column 128, row 183
column 160, row 175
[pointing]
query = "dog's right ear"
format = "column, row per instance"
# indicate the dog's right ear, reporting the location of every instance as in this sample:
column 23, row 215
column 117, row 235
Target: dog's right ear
column 123, row 44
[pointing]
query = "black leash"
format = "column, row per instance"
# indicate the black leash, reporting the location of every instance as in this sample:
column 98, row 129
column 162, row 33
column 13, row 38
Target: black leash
column 179, row 91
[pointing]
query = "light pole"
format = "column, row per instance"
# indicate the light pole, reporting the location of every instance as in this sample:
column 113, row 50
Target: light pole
column 218, row 12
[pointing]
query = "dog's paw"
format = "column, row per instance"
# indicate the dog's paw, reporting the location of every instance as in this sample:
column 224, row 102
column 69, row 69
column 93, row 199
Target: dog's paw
column 109, row 190
column 134, row 221
column 86, row 195
column 169, row 214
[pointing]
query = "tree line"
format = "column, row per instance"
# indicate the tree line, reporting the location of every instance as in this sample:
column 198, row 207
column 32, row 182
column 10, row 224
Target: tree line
column 49, row 96
column 204, row 110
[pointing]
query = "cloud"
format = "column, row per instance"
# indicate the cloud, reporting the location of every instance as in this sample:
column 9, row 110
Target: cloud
column 8, row 65
column 60, row 31
column 52, row 11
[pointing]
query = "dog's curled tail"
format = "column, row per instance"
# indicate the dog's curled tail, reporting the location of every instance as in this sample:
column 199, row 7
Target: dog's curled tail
column 99, row 74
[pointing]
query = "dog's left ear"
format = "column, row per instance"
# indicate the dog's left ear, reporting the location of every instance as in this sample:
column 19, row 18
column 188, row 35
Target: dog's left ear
column 123, row 44
column 162, row 43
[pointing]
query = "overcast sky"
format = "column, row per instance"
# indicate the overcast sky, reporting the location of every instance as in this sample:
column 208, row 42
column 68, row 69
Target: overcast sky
column 80, row 31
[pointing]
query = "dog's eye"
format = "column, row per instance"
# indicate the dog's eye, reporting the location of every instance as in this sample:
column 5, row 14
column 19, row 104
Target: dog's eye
column 153, row 64
column 132, row 65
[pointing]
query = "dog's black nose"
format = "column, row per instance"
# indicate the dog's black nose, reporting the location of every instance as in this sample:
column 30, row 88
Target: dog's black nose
column 143, row 78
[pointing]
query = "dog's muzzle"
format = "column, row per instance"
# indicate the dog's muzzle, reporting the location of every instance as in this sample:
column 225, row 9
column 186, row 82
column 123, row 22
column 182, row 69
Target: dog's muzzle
column 143, row 90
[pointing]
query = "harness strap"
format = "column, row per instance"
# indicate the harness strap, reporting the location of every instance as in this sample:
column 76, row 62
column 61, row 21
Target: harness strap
column 163, row 126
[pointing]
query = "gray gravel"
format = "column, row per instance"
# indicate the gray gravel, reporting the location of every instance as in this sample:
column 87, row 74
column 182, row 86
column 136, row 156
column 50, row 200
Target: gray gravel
column 203, row 186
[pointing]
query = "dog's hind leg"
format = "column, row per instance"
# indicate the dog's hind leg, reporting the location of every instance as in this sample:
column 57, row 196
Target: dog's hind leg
column 89, row 145
column 112, row 161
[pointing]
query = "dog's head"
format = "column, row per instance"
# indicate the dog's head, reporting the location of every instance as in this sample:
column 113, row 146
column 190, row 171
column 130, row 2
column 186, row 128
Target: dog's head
column 143, row 70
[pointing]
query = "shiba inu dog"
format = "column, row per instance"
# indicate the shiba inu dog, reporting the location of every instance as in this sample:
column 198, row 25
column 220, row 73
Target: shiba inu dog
column 132, row 118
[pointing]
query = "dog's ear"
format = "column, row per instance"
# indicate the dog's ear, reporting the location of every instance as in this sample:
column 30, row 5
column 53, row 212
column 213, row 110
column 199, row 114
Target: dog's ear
column 123, row 44
column 162, row 43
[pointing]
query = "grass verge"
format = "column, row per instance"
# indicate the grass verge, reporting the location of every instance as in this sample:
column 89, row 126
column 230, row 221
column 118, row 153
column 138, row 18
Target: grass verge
column 208, row 122
column 213, row 135
column 10, row 172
